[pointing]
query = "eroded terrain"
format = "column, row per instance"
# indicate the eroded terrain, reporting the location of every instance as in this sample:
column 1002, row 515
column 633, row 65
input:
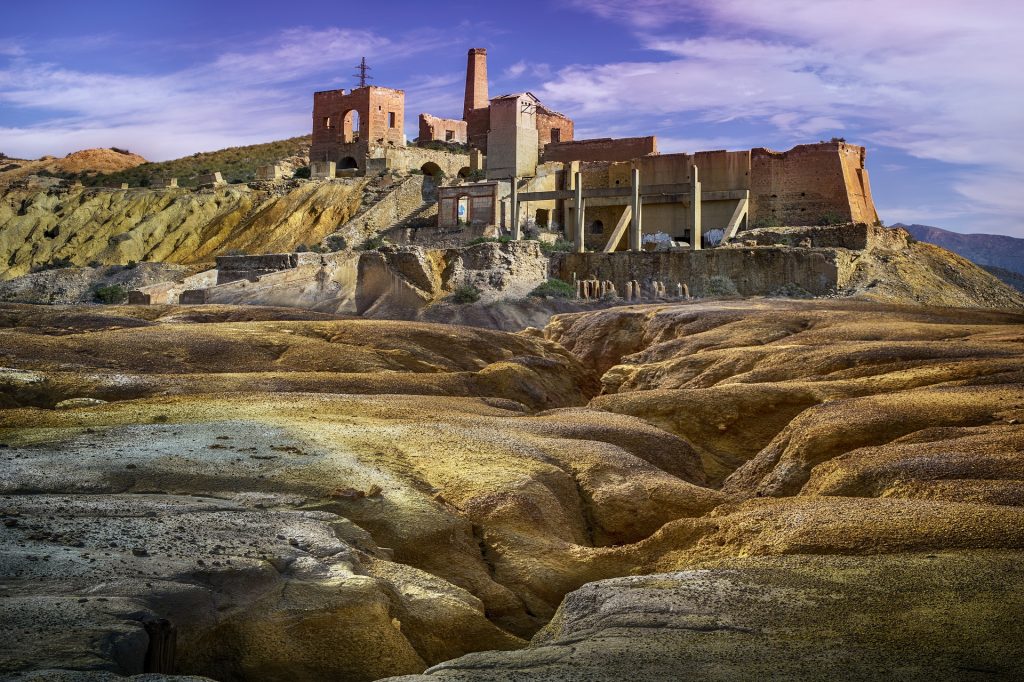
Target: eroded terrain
column 729, row 490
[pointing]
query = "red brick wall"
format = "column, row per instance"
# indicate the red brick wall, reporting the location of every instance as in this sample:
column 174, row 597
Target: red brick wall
column 381, row 120
column 434, row 128
column 604, row 149
column 808, row 183
column 548, row 120
column 478, row 123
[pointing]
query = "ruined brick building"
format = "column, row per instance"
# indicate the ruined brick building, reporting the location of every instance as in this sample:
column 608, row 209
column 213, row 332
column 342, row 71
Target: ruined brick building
column 598, row 190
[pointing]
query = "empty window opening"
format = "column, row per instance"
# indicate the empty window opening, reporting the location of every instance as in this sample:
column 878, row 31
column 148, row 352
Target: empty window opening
column 556, row 134
column 542, row 217
column 392, row 119
column 348, row 163
column 327, row 122
column 597, row 227
column 449, row 135
column 351, row 126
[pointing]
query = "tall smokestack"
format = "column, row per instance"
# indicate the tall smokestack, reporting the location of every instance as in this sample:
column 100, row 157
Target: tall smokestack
column 476, row 81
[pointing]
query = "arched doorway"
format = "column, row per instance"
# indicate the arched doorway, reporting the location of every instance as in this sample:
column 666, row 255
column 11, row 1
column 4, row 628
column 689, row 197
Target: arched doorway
column 464, row 172
column 462, row 216
column 348, row 163
column 351, row 126
column 432, row 177
column 433, row 170
column 597, row 227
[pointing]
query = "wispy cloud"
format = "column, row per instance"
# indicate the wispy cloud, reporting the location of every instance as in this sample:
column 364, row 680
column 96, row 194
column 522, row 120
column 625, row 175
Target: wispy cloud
column 241, row 96
column 937, row 79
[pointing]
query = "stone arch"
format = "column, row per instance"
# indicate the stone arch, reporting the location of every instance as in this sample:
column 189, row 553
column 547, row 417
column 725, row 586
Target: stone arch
column 433, row 170
column 351, row 126
column 348, row 163
column 464, row 172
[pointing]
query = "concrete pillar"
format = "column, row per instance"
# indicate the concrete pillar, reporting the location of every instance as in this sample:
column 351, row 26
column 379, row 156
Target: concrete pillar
column 635, row 226
column 514, row 209
column 577, row 234
column 696, row 234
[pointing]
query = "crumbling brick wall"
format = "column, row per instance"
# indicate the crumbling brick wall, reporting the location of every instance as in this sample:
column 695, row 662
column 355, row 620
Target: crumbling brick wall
column 381, row 117
column 482, row 201
column 601, row 149
column 808, row 184
column 553, row 126
column 441, row 129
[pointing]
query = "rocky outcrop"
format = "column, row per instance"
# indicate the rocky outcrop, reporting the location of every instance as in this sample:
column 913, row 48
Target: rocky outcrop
column 802, row 618
column 399, row 282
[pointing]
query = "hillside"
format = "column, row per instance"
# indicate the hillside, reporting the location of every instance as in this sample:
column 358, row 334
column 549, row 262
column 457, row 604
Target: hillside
column 1008, row 277
column 984, row 249
column 82, row 163
column 100, row 167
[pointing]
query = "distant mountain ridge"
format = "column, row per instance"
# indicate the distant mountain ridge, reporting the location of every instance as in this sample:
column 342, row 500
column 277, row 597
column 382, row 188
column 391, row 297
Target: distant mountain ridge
column 995, row 250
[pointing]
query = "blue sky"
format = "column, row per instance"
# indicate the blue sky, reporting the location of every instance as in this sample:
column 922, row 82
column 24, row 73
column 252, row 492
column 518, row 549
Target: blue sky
column 933, row 88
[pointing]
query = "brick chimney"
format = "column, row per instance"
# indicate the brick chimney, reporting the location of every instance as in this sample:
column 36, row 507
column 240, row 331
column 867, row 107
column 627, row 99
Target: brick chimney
column 476, row 81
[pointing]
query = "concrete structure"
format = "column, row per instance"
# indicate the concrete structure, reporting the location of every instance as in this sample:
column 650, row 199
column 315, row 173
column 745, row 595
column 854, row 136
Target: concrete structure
column 322, row 170
column 167, row 182
column 437, row 129
column 210, row 180
column 512, row 140
column 471, row 204
column 272, row 172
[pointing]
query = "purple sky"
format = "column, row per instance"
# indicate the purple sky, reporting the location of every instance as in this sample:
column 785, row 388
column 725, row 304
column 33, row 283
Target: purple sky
column 933, row 88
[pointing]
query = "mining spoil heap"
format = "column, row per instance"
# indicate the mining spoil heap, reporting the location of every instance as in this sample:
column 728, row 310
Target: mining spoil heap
column 718, row 490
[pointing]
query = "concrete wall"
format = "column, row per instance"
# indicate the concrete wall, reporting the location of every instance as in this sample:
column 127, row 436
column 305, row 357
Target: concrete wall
column 752, row 271
column 601, row 149
column 441, row 129
column 234, row 268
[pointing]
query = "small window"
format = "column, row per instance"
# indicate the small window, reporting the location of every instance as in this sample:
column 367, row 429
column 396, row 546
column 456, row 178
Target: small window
column 380, row 107
column 391, row 119
column 327, row 122
column 556, row 134
column 597, row 227
column 449, row 135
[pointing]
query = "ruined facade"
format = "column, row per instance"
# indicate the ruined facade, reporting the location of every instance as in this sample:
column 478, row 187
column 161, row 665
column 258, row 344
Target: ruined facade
column 437, row 129
column 347, row 126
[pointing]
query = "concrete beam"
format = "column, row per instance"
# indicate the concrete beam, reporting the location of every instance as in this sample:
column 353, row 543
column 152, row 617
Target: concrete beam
column 742, row 206
column 514, row 212
column 696, row 234
column 636, row 211
column 577, row 237
column 620, row 229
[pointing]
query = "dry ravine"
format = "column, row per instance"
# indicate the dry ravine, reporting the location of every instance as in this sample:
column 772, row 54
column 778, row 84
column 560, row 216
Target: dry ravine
column 760, row 489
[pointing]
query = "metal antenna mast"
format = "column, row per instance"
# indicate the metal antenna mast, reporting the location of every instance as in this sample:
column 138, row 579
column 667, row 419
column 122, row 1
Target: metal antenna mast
column 363, row 68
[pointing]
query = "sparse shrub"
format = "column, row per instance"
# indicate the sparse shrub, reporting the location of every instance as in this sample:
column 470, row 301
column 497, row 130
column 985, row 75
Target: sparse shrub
column 415, row 171
column 467, row 293
column 336, row 242
column 119, row 150
column 559, row 246
column 720, row 285
column 911, row 239
column 95, row 264
column 553, row 288
column 422, row 222
column 373, row 243
column 301, row 248
column 830, row 218
column 130, row 265
column 317, row 248
column 476, row 175
column 879, row 223
column 114, row 293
